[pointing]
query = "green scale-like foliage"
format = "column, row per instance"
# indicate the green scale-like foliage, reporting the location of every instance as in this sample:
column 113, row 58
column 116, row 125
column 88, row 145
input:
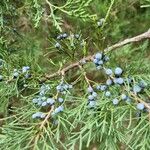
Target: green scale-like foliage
column 29, row 31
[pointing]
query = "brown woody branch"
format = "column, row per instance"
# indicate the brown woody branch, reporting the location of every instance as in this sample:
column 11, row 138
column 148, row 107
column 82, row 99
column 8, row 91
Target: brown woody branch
column 145, row 35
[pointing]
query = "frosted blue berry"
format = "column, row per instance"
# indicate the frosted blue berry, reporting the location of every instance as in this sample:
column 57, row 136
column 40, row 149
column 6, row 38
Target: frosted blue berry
column 44, row 104
column 107, row 94
column 94, row 94
column 100, row 22
column 90, row 97
column 108, row 72
column 118, row 71
column 140, row 106
column 90, row 89
column 109, row 82
column 60, row 99
column 57, row 45
column 124, row 96
column 50, row 101
column 15, row 74
column 92, row 104
column 98, row 67
column 35, row 100
column 106, row 58
column 95, row 61
column 43, row 98
column 100, row 62
column 25, row 69
column 42, row 116
column 119, row 81
column 39, row 102
column 143, row 84
column 27, row 76
column 34, row 116
column 115, row 101
column 98, row 87
column 137, row 89
column 59, row 109
column 59, row 88
column 98, row 56
column 65, row 35
column 103, row 87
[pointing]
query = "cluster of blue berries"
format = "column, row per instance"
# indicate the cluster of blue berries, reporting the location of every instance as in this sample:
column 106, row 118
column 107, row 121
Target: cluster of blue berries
column 114, row 77
column 92, row 97
column 65, row 36
column 63, row 88
column 99, row 60
column 43, row 100
column 24, row 71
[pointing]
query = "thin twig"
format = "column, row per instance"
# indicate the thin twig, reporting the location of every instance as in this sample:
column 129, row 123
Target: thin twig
column 145, row 35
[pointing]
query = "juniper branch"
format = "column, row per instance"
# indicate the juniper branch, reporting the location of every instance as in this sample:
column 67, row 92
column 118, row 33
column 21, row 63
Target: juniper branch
column 145, row 35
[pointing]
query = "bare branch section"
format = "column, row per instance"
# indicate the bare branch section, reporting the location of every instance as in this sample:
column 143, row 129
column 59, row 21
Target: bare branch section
column 145, row 35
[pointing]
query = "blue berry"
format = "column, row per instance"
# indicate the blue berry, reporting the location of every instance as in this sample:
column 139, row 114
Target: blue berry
column 15, row 74
column 140, row 106
column 103, row 87
column 42, row 115
column 44, row 104
column 137, row 89
column 36, row 115
column 98, row 67
column 35, row 100
column 118, row 71
column 107, row 94
column 90, row 97
column 59, row 109
column 109, row 82
column 60, row 99
column 65, row 35
column 95, row 61
column 50, row 101
column 90, row 89
column 108, row 72
column 57, row 45
column 94, row 94
column 124, row 96
column 143, row 84
column 100, row 22
column 119, row 80
column 128, row 100
column 59, row 37
column 25, row 69
column 39, row 102
column 100, row 62
column 98, row 87
column 98, row 56
column 115, row 101
column 106, row 58
column 92, row 104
